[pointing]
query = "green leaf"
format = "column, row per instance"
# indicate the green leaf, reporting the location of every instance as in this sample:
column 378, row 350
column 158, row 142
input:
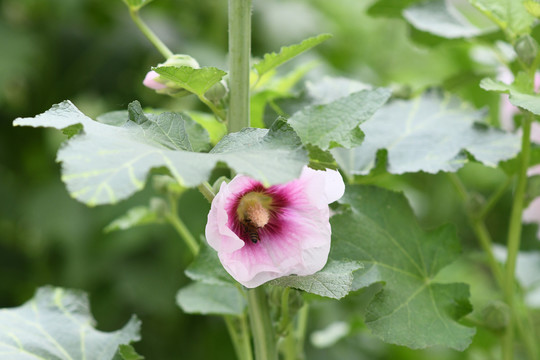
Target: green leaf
column 533, row 189
column 105, row 164
column 319, row 159
column 509, row 15
column 389, row 8
column 127, row 352
column 115, row 118
column 329, row 89
column 336, row 123
column 207, row 268
column 439, row 18
column 533, row 7
column 286, row 53
column 517, row 97
column 217, row 299
column 57, row 325
column 335, row 280
column 216, row 129
column 380, row 231
column 197, row 81
column 430, row 134
column 136, row 4
column 140, row 215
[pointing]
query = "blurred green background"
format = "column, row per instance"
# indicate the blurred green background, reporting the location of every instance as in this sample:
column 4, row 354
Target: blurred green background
column 90, row 52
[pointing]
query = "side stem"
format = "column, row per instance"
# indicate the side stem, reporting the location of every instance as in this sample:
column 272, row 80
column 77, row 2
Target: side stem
column 160, row 46
column 239, row 55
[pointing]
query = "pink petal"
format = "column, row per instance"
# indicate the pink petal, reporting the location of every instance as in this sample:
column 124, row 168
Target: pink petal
column 150, row 81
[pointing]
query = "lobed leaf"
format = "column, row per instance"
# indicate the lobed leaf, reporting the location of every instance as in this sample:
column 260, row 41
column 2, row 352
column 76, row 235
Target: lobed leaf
column 429, row 133
column 286, row 53
column 509, row 15
column 439, row 18
column 57, row 325
column 517, row 96
column 380, row 231
column 335, row 280
column 105, row 164
column 197, row 81
column 336, row 123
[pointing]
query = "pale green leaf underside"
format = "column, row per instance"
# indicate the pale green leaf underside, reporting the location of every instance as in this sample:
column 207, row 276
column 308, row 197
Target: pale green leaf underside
column 439, row 18
column 217, row 299
column 57, row 325
column 380, row 231
column 336, row 123
column 105, row 164
column 136, row 216
column 286, row 53
column 197, row 81
column 335, row 280
column 430, row 134
column 509, row 15
column 517, row 98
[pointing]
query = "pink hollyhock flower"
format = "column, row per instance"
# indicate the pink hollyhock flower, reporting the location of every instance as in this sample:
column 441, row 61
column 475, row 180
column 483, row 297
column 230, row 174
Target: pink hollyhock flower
column 263, row 233
column 150, row 81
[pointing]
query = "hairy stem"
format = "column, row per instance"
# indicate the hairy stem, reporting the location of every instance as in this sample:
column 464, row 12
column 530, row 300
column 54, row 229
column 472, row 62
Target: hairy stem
column 239, row 55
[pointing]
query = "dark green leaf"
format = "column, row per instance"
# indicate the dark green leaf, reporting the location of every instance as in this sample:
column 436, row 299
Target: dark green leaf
column 207, row 268
column 197, row 81
column 380, row 231
column 105, row 164
column 127, row 352
column 319, row 159
column 217, row 299
column 136, row 4
column 286, row 53
column 428, row 134
column 335, row 280
column 57, row 325
column 336, row 123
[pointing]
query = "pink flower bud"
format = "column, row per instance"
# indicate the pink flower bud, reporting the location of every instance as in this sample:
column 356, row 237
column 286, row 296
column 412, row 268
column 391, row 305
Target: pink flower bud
column 263, row 233
column 150, row 81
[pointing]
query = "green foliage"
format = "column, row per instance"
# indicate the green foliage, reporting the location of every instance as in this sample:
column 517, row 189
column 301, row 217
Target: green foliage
column 197, row 81
column 286, row 53
column 430, row 134
column 335, row 280
column 217, row 299
column 517, row 94
column 56, row 324
column 511, row 16
column 139, row 215
column 136, row 4
column 107, row 163
column 439, row 18
column 206, row 268
column 127, row 352
column 532, row 7
column 336, row 123
column 380, row 231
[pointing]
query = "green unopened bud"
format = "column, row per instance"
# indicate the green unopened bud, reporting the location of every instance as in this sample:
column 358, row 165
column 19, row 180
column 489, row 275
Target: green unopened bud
column 217, row 92
column 165, row 184
column 496, row 316
column 527, row 49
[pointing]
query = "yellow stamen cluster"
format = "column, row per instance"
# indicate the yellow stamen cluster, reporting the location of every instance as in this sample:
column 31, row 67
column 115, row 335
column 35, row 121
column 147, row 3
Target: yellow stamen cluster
column 254, row 209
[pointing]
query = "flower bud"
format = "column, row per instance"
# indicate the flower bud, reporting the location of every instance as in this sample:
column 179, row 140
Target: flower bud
column 153, row 81
column 217, row 92
column 526, row 48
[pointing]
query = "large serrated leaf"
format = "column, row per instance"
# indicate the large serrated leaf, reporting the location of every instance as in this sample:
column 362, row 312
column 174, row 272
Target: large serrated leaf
column 380, row 231
column 197, row 81
column 336, row 123
column 438, row 17
column 57, row 325
column 105, row 164
column 428, row 134
column 273, row 60
column 335, row 280
column 509, row 15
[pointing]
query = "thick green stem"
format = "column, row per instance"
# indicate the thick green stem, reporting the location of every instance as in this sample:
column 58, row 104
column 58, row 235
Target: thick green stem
column 239, row 55
column 261, row 325
column 160, row 46
column 207, row 191
column 301, row 328
column 514, row 237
